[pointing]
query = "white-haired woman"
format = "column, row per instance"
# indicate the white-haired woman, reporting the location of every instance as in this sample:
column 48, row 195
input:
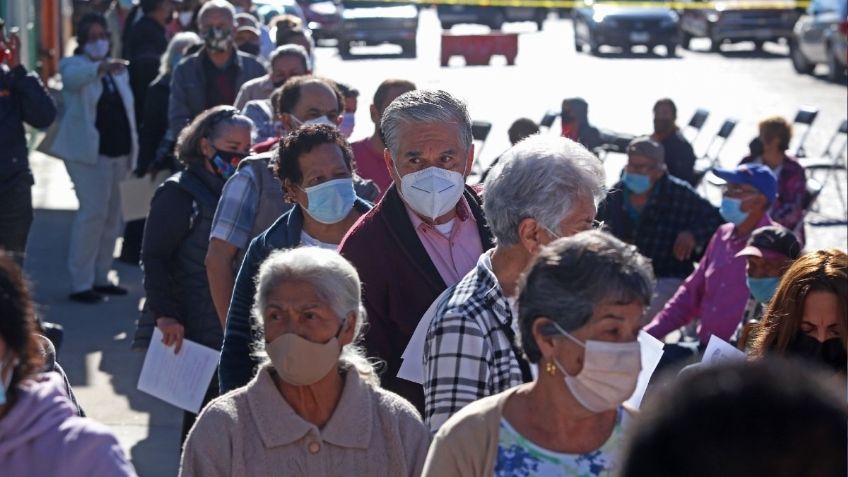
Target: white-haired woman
column 316, row 408
column 579, row 307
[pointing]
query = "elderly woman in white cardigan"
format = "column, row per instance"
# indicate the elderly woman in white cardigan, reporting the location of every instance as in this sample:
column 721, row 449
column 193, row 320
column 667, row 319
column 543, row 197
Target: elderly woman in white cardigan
column 316, row 409
column 97, row 140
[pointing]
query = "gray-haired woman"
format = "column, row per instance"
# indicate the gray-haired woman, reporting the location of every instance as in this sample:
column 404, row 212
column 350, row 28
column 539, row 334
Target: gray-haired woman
column 579, row 310
column 316, row 408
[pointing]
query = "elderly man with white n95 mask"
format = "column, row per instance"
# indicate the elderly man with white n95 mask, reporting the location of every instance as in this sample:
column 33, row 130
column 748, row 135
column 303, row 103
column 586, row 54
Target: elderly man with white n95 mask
column 543, row 188
column 428, row 230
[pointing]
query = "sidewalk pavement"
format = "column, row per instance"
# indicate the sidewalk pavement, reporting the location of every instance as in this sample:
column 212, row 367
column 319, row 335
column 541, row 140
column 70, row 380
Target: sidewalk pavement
column 96, row 351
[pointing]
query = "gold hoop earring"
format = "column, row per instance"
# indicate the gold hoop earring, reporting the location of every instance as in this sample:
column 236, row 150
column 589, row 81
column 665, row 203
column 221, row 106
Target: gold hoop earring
column 550, row 368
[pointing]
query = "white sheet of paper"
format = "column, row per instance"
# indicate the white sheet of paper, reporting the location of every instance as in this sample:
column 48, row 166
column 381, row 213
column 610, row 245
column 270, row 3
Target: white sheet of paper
column 652, row 351
column 179, row 379
column 412, row 366
column 136, row 194
column 719, row 351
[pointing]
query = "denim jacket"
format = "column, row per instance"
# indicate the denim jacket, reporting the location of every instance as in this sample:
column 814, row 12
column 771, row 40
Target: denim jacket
column 237, row 361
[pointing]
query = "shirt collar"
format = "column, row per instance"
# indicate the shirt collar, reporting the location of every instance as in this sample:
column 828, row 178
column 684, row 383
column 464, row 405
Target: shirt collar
column 279, row 425
column 765, row 220
column 463, row 213
column 490, row 289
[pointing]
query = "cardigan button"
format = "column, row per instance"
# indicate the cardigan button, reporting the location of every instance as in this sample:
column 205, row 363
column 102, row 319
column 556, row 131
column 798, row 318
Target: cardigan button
column 314, row 447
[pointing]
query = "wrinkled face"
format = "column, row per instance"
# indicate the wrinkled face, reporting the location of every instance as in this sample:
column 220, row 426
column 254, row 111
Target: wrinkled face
column 316, row 100
column 424, row 145
column 752, row 199
column 822, row 318
column 295, row 307
column 638, row 164
column 580, row 218
column 323, row 163
column 610, row 322
column 220, row 19
column 232, row 139
column 285, row 67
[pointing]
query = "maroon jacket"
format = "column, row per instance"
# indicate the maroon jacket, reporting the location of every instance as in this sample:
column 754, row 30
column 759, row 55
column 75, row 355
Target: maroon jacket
column 399, row 281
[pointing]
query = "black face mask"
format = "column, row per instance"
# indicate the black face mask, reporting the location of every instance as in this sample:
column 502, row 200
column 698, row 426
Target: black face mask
column 830, row 353
column 250, row 49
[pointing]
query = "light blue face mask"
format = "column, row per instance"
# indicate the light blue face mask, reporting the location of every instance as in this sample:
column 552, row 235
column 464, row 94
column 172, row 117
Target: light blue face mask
column 731, row 210
column 331, row 201
column 762, row 289
column 637, row 183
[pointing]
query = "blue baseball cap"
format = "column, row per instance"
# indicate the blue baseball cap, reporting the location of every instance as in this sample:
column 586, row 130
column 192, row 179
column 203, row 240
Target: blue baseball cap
column 756, row 175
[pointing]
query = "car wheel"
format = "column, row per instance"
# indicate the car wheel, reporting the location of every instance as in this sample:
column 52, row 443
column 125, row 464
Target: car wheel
column 410, row 49
column 715, row 45
column 446, row 26
column 686, row 40
column 541, row 16
column 671, row 50
column 497, row 20
column 344, row 48
column 758, row 45
column 799, row 62
column 836, row 72
column 578, row 47
column 594, row 46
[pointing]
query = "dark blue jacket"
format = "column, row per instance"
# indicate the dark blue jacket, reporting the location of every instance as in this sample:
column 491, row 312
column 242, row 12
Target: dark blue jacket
column 23, row 99
column 238, row 363
column 673, row 207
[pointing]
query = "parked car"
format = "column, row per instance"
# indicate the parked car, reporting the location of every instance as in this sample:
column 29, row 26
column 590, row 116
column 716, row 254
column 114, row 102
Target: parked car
column 493, row 17
column 821, row 36
column 268, row 9
column 613, row 24
column 734, row 21
column 375, row 23
column 323, row 17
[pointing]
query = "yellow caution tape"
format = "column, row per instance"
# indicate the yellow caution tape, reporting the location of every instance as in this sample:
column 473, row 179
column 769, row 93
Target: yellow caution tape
column 717, row 6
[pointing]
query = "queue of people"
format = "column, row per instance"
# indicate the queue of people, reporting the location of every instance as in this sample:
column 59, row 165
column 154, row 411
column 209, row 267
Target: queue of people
column 310, row 262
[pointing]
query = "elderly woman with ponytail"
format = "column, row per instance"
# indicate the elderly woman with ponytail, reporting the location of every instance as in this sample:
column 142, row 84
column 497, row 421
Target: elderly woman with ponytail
column 176, row 234
column 316, row 407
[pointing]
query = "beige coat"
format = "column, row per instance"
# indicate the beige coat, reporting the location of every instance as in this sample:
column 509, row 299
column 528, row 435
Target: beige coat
column 252, row 431
column 467, row 444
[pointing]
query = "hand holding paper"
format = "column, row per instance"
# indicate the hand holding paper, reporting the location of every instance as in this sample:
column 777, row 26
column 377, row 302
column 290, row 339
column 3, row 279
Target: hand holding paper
column 179, row 379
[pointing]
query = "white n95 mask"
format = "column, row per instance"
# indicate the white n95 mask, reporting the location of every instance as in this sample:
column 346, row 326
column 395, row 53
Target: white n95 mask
column 432, row 192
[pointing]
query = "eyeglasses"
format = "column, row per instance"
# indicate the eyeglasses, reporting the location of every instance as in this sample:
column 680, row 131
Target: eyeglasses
column 738, row 190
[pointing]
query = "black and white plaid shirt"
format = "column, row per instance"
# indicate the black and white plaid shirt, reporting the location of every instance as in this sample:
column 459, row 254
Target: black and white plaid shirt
column 470, row 352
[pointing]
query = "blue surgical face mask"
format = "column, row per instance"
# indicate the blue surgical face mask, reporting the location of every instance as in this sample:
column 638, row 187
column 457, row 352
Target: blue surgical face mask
column 637, row 183
column 331, row 201
column 762, row 289
column 731, row 210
